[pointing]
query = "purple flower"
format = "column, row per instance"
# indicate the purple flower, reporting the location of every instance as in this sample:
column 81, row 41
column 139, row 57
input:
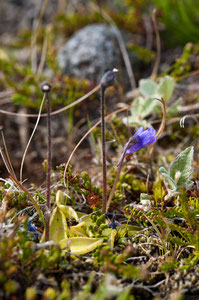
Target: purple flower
column 33, row 229
column 114, row 224
column 140, row 139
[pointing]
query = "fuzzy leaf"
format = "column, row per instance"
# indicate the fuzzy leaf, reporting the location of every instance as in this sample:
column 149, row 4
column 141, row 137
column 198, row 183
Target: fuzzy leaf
column 169, row 182
column 136, row 108
column 148, row 107
column 166, row 87
column 81, row 245
column 182, row 165
column 131, row 121
column 163, row 171
column 141, row 108
column 147, row 87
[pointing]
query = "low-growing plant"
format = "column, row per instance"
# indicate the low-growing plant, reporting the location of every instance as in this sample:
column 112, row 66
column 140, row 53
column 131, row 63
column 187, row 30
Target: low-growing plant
column 143, row 105
column 179, row 173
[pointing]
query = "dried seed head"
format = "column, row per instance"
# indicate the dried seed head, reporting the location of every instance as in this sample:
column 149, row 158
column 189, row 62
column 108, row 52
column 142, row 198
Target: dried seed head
column 45, row 87
column 108, row 79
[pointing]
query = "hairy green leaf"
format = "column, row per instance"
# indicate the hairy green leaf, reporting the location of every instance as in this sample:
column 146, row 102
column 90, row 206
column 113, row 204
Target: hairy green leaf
column 147, row 87
column 166, row 87
column 181, row 167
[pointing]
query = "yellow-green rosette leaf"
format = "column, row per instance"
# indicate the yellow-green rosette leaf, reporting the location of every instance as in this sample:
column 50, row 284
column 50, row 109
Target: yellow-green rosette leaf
column 67, row 210
column 78, row 230
column 58, row 227
column 81, row 245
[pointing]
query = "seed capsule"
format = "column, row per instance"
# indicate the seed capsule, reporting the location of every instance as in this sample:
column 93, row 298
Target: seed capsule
column 45, row 87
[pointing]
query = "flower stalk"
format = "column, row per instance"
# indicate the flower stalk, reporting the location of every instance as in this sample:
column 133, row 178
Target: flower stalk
column 139, row 140
column 46, row 87
column 107, row 80
column 102, row 100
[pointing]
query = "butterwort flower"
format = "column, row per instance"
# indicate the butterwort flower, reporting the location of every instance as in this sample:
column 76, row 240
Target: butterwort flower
column 114, row 224
column 139, row 140
column 33, row 229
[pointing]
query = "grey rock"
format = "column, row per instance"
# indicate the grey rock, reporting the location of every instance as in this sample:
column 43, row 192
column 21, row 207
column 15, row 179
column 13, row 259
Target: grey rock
column 16, row 15
column 90, row 52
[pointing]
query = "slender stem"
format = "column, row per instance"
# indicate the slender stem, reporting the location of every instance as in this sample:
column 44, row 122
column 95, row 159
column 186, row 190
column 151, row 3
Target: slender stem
column 47, row 217
column 118, row 173
column 7, row 154
column 86, row 134
column 102, row 99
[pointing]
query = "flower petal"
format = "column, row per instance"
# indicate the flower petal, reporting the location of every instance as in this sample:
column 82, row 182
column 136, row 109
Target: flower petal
column 134, row 148
column 139, row 131
column 147, row 137
column 143, row 138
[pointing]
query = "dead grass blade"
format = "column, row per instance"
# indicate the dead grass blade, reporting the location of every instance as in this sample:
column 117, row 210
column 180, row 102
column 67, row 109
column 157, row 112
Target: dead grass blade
column 7, row 157
column 30, row 139
column 56, row 112
column 158, row 46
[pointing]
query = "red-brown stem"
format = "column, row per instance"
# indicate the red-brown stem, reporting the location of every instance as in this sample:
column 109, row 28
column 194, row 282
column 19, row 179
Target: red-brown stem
column 102, row 99
column 47, row 216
